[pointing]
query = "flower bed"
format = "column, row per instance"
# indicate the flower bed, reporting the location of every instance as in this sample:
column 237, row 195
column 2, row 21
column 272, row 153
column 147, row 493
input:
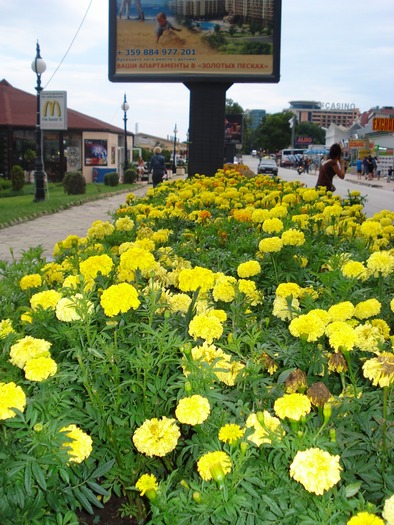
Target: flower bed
column 222, row 350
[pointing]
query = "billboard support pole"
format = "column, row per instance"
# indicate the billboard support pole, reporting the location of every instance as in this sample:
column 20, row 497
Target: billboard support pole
column 207, row 113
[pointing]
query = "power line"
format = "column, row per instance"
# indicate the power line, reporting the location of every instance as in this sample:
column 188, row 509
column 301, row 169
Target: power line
column 72, row 41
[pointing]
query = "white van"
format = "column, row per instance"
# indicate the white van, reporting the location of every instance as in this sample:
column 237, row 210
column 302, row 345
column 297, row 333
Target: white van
column 254, row 153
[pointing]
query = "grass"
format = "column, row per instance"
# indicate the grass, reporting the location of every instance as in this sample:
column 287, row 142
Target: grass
column 19, row 207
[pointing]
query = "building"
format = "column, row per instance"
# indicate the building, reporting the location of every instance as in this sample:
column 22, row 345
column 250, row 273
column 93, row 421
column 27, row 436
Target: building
column 88, row 144
column 324, row 113
column 256, row 117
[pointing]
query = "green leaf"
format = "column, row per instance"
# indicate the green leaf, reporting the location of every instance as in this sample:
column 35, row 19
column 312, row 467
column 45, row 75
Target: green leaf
column 352, row 489
column 102, row 469
column 39, row 475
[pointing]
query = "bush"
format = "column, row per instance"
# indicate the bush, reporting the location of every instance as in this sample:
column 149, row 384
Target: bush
column 74, row 183
column 17, row 178
column 130, row 176
column 111, row 179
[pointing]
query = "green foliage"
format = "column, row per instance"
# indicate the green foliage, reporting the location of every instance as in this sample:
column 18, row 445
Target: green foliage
column 309, row 129
column 275, row 133
column 111, row 179
column 130, row 176
column 17, row 178
column 74, row 183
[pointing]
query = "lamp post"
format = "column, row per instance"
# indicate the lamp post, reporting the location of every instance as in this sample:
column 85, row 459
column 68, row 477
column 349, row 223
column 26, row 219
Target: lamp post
column 125, row 108
column 38, row 66
column 174, row 153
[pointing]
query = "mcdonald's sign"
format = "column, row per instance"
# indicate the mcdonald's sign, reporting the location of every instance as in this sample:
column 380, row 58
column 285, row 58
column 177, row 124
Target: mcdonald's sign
column 53, row 106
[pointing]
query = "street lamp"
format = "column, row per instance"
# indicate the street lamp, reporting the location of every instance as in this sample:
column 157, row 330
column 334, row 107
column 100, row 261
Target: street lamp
column 38, row 66
column 125, row 108
column 174, row 154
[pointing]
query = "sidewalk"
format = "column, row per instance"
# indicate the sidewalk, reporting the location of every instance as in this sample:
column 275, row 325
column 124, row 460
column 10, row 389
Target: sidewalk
column 47, row 230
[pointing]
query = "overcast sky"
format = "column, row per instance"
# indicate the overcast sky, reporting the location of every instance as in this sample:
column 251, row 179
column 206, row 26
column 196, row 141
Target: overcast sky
column 339, row 51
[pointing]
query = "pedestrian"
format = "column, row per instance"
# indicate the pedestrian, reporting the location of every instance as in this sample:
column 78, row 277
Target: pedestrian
column 333, row 165
column 370, row 167
column 365, row 167
column 141, row 168
column 359, row 168
column 158, row 166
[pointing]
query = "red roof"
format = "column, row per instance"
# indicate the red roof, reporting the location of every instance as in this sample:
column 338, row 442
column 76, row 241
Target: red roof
column 18, row 110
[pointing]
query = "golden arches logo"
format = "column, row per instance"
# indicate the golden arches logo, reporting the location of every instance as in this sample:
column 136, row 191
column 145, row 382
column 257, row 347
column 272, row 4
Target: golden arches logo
column 50, row 106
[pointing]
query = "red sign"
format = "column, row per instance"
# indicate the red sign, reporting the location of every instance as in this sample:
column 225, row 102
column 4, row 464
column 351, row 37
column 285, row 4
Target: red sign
column 383, row 124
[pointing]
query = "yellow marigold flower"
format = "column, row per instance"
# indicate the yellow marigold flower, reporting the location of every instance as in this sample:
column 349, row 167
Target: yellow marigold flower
column 179, row 302
column 214, row 465
column 354, row 270
column 193, row 410
column 73, row 308
column 380, row 369
column 249, row 289
column 288, row 290
column 365, row 518
column 80, row 446
column 341, row 336
column 271, row 245
column 293, row 237
column 293, row 406
column 316, row 470
column 71, row 281
column 371, row 228
column 119, row 298
column 224, row 289
column 53, row 272
column 147, row 483
column 381, row 263
column 368, row 308
column 124, row 224
column 388, row 510
column 206, row 327
column 369, row 337
column 248, row 269
column 295, row 381
column 192, row 279
column 382, row 326
column 100, row 230
column 273, row 225
column 310, row 195
column 228, row 371
column 156, row 437
column 309, row 325
column 40, row 368
column 266, row 428
column 11, row 396
column 95, row 265
column 28, row 348
column 30, row 281
column 341, row 311
column 230, row 433
column 6, row 328
column 284, row 310
column 46, row 300
column 260, row 215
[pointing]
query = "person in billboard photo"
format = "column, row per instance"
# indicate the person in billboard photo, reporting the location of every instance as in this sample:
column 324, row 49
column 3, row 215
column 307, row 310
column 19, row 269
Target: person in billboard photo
column 125, row 7
column 164, row 27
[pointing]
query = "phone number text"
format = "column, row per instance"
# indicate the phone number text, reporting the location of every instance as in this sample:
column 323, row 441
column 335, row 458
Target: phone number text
column 162, row 52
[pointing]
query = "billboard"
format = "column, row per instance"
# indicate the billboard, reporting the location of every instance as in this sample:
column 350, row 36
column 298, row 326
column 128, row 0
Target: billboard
column 53, row 110
column 96, row 152
column 182, row 41
column 233, row 129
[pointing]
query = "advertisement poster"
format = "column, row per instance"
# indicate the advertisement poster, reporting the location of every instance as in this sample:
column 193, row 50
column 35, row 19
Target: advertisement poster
column 233, row 129
column 155, row 40
column 95, row 152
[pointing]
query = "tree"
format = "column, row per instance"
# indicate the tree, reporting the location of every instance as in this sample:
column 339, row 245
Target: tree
column 275, row 133
column 233, row 108
column 309, row 129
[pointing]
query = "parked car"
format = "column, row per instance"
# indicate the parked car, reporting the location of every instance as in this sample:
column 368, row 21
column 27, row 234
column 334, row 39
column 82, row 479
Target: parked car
column 254, row 152
column 267, row 166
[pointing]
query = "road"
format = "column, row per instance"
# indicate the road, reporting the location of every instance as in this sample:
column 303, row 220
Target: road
column 379, row 194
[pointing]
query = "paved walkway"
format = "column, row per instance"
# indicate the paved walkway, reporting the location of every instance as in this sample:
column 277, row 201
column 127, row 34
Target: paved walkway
column 47, row 230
